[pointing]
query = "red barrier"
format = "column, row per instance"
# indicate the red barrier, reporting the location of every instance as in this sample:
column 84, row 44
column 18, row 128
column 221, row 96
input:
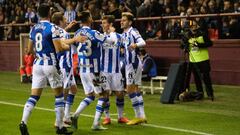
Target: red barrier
column 224, row 56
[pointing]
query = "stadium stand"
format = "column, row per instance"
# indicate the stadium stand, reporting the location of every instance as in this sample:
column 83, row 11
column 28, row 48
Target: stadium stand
column 24, row 12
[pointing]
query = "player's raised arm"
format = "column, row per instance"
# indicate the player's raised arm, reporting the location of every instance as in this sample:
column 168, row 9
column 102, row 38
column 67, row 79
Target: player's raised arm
column 111, row 38
column 75, row 39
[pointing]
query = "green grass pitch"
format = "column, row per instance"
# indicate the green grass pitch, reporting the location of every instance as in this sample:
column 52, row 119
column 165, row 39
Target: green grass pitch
column 221, row 117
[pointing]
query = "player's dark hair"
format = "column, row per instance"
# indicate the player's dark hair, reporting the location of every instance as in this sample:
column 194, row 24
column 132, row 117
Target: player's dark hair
column 43, row 10
column 84, row 16
column 109, row 18
column 57, row 17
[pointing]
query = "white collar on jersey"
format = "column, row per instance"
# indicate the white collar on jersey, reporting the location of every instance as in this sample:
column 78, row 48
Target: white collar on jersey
column 86, row 27
column 129, row 29
column 44, row 20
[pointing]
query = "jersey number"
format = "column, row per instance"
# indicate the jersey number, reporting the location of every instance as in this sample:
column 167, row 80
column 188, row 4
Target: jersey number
column 38, row 39
column 87, row 51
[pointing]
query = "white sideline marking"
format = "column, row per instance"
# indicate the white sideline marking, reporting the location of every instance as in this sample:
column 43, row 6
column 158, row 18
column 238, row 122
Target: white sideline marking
column 91, row 116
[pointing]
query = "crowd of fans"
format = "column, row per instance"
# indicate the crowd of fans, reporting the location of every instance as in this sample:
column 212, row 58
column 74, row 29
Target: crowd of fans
column 24, row 11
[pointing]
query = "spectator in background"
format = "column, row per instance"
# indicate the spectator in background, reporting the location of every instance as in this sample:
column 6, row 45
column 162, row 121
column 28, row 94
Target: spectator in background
column 124, row 8
column 156, row 8
column 94, row 10
column 181, row 9
column 12, row 15
column 144, row 9
column 30, row 16
column 104, row 8
column 236, row 7
column 234, row 28
column 225, row 28
column 149, row 68
column 168, row 11
column 212, row 7
column 227, row 7
column 132, row 5
column 173, row 29
column 70, row 12
column 115, row 11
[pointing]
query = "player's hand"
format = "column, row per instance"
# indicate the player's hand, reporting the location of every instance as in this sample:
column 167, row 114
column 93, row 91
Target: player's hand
column 80, row 39
column 71, row 24
column 132, row 47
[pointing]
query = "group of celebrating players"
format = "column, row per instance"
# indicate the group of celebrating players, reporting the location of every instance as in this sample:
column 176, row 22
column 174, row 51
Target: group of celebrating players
column 99, row 68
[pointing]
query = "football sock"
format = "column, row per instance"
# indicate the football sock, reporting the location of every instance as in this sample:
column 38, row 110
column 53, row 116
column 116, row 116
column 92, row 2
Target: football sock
column 106, row 108
column 99, row 110
column 120, row 105
column 68, row 105
column 141, row 106
column 30, row 104
column 135, row 104
column 85, row 102
column 59, row 110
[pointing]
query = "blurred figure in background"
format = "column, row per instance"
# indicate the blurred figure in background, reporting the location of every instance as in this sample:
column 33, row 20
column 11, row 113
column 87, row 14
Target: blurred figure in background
column 26, row 68
column 149, row 68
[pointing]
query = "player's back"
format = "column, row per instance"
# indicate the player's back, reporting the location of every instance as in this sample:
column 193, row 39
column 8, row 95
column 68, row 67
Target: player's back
column 42, row 35
column 89, row 53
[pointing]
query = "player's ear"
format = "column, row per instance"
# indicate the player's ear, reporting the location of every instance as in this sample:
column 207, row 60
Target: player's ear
column 111, row 24
column 130, row 22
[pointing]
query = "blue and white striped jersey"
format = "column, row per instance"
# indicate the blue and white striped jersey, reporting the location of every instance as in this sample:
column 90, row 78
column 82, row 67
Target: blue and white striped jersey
column 89, row 53
column 65, row 57
column 110, row 59
column 42, row 34
column 128, row 38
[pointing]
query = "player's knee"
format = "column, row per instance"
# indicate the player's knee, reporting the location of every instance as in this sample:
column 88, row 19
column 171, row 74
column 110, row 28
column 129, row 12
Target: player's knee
column 73, row 89
column 58, row 91
column 119, row 94
column 131, row 88
column 92, row 95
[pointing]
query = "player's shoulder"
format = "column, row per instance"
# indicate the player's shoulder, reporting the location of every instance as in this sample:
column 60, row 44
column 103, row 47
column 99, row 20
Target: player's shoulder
column 134, row 31
column 118, row 35
column 83, row 30
column 98, row 35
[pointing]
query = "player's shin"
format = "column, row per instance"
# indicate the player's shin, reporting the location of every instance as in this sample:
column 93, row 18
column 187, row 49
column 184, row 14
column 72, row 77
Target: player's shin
column 99, row 111
column 30, row 104
column 67, row 109
column 84, row 103
column 106, row 108
column 120, row 105
column 141, row 105
column 59, row 110
column 134, row 99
